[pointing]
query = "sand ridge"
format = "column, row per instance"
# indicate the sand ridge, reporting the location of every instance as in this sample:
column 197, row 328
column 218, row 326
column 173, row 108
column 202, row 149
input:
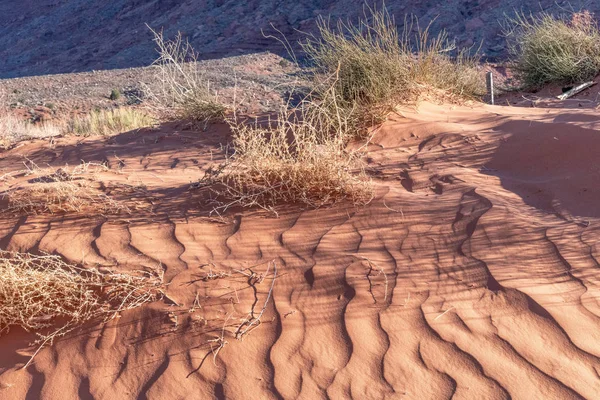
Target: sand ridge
column 471, row 274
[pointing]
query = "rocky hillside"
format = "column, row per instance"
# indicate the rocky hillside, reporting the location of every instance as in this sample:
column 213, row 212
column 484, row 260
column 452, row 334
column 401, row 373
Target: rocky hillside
column 61, row 36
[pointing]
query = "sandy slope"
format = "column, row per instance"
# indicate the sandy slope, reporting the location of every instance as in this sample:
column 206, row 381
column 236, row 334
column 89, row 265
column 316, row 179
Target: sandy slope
column 473, row 273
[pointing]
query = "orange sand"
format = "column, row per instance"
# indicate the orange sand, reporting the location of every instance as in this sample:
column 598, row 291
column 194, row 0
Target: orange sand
column 474, row 273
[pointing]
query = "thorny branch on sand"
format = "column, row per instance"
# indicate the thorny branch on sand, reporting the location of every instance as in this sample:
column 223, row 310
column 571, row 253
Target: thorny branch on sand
column 252, row 320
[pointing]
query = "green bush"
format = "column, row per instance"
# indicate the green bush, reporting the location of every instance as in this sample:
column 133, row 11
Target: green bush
column 547, row 49
column 115, row 94
column 376, row 65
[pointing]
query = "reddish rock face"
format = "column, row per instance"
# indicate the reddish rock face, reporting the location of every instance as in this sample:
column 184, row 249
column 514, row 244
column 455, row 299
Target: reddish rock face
column 61, row 36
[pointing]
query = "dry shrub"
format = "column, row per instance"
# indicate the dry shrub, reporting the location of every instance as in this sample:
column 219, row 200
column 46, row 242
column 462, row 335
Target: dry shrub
column 300, row 157
column 361, row 72
column 14, row 130
column 548, row 49
column 64, row 190
column 109, row 122
column 459, row 76
column 38, row 290
column 182, row 91
column 61, row 197
column 371, row 65
column 378, row 67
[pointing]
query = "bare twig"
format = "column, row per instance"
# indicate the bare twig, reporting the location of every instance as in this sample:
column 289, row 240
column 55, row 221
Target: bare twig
column 254, row 321
column 381, row 272
column 444, row 313
column 220, row 340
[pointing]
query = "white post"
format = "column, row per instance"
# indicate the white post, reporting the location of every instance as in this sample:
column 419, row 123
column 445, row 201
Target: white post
column 489, row 80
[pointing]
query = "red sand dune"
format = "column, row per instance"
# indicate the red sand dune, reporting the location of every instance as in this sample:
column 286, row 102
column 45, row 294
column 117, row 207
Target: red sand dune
column 472, row 274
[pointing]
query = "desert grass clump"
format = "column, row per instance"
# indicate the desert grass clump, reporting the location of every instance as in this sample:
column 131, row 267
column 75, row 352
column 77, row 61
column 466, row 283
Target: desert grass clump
column 14, row 130
column 548, row 49
column 61, row 197
column 378, row 67
column 62, row 191
column 44, row 293
column 457, row 76
column 367, row 58
column 109, row 122
column 180, row 90
column 299, row 157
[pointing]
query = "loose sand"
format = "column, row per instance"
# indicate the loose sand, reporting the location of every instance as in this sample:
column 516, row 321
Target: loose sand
column 474, row 273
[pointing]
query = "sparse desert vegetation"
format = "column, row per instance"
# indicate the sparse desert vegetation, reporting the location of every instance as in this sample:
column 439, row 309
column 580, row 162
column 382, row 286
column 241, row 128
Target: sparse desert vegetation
column 36, row 291
column 115, row 94
column 361, row 72
column 102, row 122
column 350, row 223
column 298, row 157
column 549, row 49
column 109, row 122
column 182, row 90
column 378, row 67
column 65, row 190
column 61, row 197
column 14, row 129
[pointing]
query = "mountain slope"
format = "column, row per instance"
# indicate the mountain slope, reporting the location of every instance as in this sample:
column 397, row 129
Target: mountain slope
column 62, row 36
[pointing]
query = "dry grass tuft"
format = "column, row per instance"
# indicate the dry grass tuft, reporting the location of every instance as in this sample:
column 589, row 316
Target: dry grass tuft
column 371, row 65
column 14, row 130
column 37, row 290
column 378, row 67
column 109, row 122
column 300, row 157
column 61, row 197
column 548, row 49
column 64, row 190
column 183, row 90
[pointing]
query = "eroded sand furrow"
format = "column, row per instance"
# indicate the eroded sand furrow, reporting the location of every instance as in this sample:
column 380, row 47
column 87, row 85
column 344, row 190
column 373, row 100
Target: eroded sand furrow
column 545, row 278
column 73, row 240
column 287, row 353
column 404, row 367
column 551, row 351
column 324, row 319
column 27, row 236
column 204, row 240
column 9, row 228
column 157, row 241
column 580, row 254
column 498, row 358
column 362, row 376
column 472, row 382
column 114, row 244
